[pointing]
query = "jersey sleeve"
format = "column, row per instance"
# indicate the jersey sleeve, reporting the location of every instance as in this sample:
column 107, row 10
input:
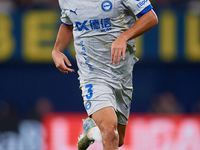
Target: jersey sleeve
column 64, row 14
column 138, row 7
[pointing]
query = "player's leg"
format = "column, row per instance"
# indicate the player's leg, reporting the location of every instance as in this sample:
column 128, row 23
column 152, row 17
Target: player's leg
column 97, row 97
column 121, row 130
column 123, row 97
column 106, row 120
column 94, row 134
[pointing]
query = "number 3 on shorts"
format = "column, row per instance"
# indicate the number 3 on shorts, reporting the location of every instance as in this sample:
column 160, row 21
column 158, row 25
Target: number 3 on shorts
column 90, row 91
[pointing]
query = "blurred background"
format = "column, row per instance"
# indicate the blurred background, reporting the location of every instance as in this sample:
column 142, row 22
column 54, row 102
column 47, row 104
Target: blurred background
column 166, row 79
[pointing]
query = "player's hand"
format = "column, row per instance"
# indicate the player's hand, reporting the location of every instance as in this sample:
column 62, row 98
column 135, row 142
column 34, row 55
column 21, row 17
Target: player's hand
column 118, row 49
column 61, row 62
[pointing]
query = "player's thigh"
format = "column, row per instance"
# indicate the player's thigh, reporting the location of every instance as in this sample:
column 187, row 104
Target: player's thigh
column 97, row 95
column 105, row 117
column 124, row 98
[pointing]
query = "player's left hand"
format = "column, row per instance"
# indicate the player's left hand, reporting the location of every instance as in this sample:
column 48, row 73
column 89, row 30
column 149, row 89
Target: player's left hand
column 118, row 49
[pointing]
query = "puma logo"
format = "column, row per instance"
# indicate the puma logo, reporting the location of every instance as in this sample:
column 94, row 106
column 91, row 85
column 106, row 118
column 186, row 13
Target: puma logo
column 73, row 11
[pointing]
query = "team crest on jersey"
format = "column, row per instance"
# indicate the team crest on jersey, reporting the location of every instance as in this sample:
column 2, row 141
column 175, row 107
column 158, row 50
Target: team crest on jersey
column 106, row 6
column 88, row 105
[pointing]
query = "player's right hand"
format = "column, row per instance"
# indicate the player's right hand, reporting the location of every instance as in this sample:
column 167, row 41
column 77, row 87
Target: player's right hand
column 61, row 62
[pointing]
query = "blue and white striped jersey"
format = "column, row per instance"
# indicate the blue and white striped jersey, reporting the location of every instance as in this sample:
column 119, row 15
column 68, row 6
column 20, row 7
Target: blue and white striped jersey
column 96, row 24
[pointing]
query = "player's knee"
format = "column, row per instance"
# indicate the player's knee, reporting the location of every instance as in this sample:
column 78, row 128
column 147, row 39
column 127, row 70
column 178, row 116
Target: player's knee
column 110, row 131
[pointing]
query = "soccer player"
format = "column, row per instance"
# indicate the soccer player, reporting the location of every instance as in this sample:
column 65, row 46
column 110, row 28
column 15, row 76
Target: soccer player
column 104, row 33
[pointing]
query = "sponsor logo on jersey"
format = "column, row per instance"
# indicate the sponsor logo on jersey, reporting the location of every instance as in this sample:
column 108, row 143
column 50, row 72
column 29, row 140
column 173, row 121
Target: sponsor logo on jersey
column 87, row 62
column 88, row 105
column 96, row 24
column 106, row 6
column 141, row 3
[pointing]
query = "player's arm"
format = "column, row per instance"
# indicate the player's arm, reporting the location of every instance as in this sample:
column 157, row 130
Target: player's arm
column 144, row 23
column 64, row 38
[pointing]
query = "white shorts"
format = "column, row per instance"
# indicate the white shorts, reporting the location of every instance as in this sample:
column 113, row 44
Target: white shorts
column 98, row 94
